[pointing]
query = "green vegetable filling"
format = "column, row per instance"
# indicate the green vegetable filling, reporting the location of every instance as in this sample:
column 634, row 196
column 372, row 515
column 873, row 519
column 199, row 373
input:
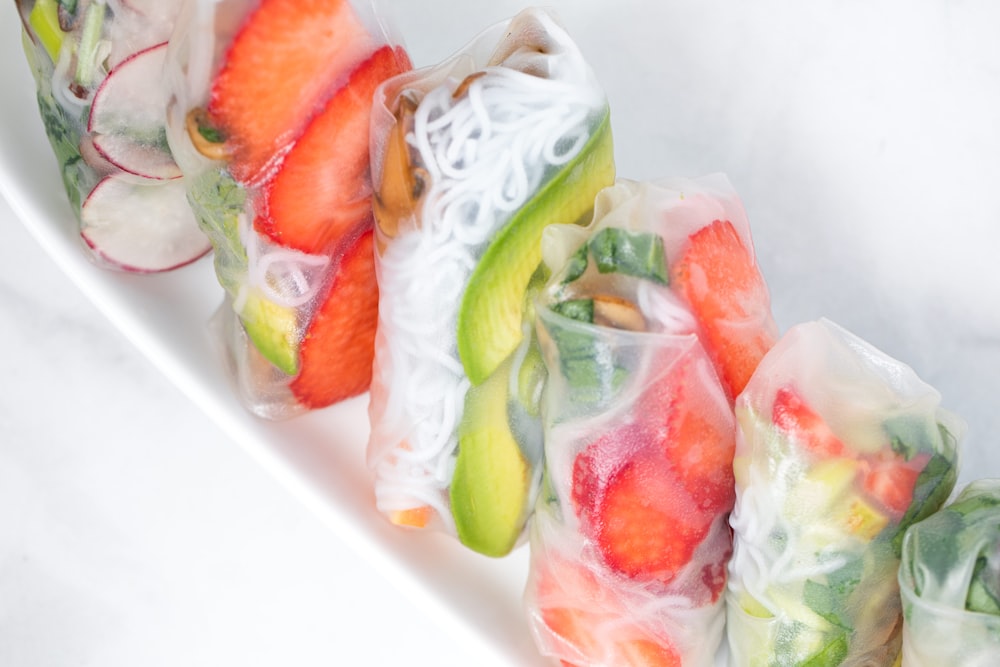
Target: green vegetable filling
column 638, row 254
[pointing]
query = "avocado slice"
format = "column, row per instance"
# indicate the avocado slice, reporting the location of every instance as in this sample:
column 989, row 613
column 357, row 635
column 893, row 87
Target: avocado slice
column 489, row 321
column 44, row 21
column 273, row 329
column 491, row 485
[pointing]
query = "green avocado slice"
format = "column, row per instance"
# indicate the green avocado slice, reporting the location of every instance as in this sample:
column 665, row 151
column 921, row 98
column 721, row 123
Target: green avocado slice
column 489, row 320
column 44, row 21
column 273, row 331
column 491, row 485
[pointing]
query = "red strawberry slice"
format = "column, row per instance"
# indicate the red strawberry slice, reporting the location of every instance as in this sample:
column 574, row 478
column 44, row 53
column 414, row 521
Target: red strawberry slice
column 696, row 432
column 890, row 480
column 791, row 414
column 595, row 624
column 322, row 190
column 286, row 59
column 644, row 528
column 646, row 653
column 602, row 458
column 701, row 452
column 338, row 347
column 717, row 276
column 642, row 522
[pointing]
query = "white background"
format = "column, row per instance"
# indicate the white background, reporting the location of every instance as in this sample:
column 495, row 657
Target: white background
column 135, row 529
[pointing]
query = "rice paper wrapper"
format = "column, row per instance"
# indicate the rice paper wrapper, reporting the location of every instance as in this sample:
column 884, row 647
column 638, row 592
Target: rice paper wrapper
column 628, row 543
column 710, row 265
column 98, row 72
column 839, row 449
column 630, row 538
column 471, row 159
column 269, row 121
column 950, row 582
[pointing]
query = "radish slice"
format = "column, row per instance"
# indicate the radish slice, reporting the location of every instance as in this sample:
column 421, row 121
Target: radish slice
column 128, row 117
column 154, row 12
column 141, row 227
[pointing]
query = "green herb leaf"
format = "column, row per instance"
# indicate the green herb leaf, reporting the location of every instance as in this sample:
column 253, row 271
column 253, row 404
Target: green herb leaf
column 576, row 265
column 830, row 655
column 638, row 254
column 581, row 310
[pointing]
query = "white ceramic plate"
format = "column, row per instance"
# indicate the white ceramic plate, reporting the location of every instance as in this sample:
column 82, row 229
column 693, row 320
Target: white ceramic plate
column 863, row 140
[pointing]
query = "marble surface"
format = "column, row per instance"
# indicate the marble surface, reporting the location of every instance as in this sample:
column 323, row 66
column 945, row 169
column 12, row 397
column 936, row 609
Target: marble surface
column 134, row 531
column 863, row 139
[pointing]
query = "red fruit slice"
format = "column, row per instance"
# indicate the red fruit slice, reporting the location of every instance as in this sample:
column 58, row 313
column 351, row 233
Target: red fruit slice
column 285, row 61
column 890, row 480
column 791, row 414
column 600, row 460
column 696, row 432
column 338, row 347
column 717, row 276
column 323, row 189
column 644, row 525
column 596, row 625
column 645, row 653
column 701, row 452
column 645, row 529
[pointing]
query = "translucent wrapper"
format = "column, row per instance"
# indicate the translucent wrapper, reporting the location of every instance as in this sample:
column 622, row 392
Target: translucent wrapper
column 98, row 67
column 269, row 121
column 840, row 449
column 471, row 160
column 950, row 582
column 630, row 537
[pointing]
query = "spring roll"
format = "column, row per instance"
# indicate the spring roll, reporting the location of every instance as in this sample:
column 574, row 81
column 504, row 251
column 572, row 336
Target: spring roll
column 950, row 582
column 840, row 449
column 98, row 68
column 269, row 121
column 471, row 160
column 630, row 538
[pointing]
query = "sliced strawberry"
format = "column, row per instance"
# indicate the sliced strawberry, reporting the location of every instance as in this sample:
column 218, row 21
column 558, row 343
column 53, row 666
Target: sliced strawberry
column 890, row 480
column 718, row 277
column 596, row 624
column 714, row 575
column 286, row 59
column 645, row 529
column 645, row 653
column 701, row 451
column 697, row 434
column 792, row 415
column 322, row 190
column 338, row 347
column 595, row 465
column 642, row 522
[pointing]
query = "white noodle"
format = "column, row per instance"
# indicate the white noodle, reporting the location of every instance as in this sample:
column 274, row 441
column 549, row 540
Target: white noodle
column 485, row 153
column 285, row 277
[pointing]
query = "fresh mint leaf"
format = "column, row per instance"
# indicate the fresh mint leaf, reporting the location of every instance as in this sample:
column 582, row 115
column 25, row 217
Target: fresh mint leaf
column 830, row 655
column 576, row 266
column 638, row 254
column 581, row 310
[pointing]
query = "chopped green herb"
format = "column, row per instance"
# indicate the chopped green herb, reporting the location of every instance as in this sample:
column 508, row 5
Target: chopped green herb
column 638, row 254
column 830, row 655
column 211, row 134
column 576, row 266
column 581, row 310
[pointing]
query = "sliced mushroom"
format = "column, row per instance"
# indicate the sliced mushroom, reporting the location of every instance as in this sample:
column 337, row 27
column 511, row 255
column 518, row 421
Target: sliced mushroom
column 463, row 87
column 619, row 313
column 196, row 123
column 402, row 185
